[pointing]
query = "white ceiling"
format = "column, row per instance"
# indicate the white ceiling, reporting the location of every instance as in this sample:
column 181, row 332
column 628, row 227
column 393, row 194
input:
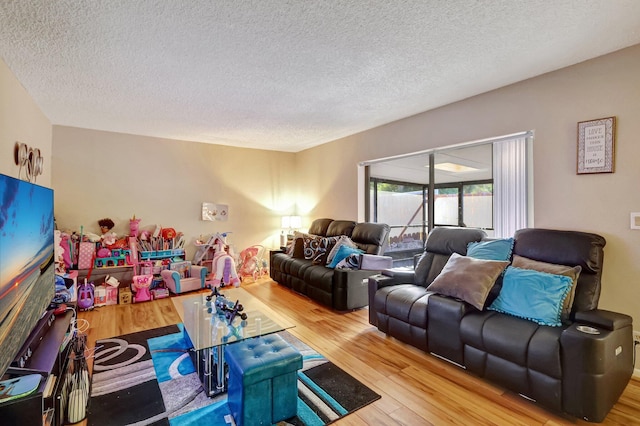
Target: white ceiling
column 288, row 75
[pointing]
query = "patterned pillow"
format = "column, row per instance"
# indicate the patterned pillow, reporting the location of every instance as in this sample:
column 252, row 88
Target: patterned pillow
column 342, row 253
column 316, row 248
column 350, row 262
column 342, row 240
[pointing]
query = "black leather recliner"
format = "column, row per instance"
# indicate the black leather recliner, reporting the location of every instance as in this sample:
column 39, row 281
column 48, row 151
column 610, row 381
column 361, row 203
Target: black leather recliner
column 562, row 368
column 340, row 289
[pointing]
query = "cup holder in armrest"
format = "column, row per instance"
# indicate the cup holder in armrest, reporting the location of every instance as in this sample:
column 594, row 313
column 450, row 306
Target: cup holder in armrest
column 587, row 329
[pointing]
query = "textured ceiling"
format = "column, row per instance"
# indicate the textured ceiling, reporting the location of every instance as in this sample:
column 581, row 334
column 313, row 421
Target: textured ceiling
column 288, row 75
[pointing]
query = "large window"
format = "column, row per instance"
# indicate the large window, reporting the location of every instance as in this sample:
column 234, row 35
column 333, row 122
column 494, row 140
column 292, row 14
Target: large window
column 402, row 206
column 445, row 187
column 467, row 204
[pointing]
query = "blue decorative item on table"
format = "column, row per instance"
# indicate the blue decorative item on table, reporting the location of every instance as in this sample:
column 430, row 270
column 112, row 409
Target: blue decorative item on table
column 225, row 308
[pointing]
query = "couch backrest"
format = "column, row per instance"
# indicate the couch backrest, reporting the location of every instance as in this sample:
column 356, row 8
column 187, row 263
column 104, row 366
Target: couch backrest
column 371, row 237
column 340, row 227
column 368, row 236
column 320, row 226
column 569, row 248
column 441, row 243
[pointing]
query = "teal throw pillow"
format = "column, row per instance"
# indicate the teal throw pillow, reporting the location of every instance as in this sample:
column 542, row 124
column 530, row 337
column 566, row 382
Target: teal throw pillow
column 341, row 254
column 491, row 249
column 533, row 295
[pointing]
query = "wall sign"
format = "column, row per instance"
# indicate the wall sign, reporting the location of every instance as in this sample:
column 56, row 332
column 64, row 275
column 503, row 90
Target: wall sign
column 211, row 211
column 596, row 139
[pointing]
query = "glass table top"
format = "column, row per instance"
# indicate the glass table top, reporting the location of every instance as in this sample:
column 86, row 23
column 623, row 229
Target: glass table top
column 207, row 327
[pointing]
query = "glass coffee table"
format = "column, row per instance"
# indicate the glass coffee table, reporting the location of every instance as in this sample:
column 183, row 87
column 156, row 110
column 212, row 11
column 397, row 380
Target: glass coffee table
column 209, row 332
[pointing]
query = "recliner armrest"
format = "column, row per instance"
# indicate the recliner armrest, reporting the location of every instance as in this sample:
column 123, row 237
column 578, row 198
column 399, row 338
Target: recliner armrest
column 404, row 275
column 607, row 320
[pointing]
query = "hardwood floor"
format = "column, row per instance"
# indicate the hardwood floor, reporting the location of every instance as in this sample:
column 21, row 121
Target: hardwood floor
column 416, row 388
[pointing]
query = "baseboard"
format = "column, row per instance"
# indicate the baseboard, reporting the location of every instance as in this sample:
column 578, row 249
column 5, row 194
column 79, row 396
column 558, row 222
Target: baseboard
column 636, row 373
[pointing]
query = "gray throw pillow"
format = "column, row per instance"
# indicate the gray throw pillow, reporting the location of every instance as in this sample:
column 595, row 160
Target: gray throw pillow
column 468, row 279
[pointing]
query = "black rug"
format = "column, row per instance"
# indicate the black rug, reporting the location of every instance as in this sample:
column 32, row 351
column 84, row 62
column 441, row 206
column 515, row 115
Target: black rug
column 147, row 378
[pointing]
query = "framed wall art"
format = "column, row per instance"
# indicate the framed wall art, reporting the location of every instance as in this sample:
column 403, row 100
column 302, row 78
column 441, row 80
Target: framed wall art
column 596, row 143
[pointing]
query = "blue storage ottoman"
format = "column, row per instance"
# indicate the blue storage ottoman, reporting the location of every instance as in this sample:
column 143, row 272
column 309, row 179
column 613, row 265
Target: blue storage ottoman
column 263, row 382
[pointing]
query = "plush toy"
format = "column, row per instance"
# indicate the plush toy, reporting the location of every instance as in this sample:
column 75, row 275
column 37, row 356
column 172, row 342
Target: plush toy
column 134, row 225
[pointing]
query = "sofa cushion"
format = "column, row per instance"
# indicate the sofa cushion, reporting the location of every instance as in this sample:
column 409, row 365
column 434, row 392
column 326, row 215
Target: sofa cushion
column 441, row 242
column 468, row 279
column 371, row 237
column 447, row 240
column 352, row 261
column 317, row 248
column 567, row 248
column 320, row 226
column 342, row 240
column 499, row 249
column 401, row 311
column 533, row 295
column 341, row 254
column 506, row 337
column 551, row 268
column 340, row 227
column 295, row 247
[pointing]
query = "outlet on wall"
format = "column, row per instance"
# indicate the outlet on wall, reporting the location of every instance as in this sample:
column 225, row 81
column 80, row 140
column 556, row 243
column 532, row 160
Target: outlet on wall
column 636, row 337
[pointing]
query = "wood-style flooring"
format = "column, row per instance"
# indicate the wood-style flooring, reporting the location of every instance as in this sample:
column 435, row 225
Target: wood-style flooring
column 416, row 388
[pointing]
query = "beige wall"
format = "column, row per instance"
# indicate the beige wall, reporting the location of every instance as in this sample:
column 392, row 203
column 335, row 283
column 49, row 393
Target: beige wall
column 98, row 174
column 164, row 182
column 21, row 121
column 551, row 105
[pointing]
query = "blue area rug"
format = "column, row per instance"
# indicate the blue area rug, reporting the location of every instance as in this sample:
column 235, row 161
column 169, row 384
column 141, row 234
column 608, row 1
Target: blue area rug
column 148, row 378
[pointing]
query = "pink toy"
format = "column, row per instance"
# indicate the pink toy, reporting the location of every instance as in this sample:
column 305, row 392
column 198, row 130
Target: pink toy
column 140, row 286
column 103, row 252
column 250, row 263
column 63, row 249
column 223, row 265
column 134, row 226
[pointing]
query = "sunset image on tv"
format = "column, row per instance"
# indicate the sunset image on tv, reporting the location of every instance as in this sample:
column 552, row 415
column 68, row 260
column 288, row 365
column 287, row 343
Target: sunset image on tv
column 26, row 239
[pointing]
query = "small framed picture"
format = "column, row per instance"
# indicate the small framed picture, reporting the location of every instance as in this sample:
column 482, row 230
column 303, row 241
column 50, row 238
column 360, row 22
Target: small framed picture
column 596, row 146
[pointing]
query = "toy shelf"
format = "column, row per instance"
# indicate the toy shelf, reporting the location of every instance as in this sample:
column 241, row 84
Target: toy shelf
column 161, row 254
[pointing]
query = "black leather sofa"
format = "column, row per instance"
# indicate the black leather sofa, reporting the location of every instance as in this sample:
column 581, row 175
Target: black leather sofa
column 565, row 369
column 340, row 289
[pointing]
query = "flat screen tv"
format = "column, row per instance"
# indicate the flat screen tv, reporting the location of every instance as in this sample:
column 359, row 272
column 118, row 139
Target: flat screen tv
column 27, row 280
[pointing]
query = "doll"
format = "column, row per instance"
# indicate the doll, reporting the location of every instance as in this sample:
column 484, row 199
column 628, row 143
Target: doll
column 108, row 237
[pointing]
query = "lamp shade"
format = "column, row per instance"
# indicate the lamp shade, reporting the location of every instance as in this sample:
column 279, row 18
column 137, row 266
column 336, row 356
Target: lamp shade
column 295, row 222
column 286, row 222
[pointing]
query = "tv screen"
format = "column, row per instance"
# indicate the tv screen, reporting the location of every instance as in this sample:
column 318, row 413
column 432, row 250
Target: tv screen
column 27, row 281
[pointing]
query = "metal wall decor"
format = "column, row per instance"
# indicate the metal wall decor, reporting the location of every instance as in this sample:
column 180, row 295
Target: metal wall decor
column 29, row 160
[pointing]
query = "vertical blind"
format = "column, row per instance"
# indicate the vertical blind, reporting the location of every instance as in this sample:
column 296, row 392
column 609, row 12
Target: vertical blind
column 509, row 186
